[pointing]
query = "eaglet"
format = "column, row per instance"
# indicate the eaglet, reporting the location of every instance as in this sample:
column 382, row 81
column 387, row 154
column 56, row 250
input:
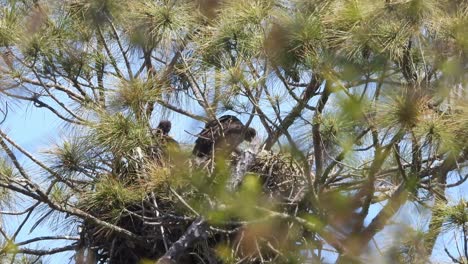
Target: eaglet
column 164, row 143
column 222, row 135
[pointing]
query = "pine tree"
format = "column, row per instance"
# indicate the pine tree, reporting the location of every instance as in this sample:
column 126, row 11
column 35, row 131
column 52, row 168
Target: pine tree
column 356, row 103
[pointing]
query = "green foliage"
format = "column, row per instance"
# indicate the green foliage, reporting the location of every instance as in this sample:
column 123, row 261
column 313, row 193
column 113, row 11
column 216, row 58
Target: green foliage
column 351, row 31
column 134, row 95
column 71, row 157
column 353, row 108
column 292, row 39
column 7, row 172
column 110, row 198
column 451, row 216
column 10, row 247
column 8, row 26
column 457, row 215
column 391, row 38
column 156, row 22
column 408, row 248
column 417, row 12
column 404, row 110
column 456, row 25
column 440, row 132
column 330, row 127
column 58, row 195
column 243, row 205
column 339, row 129
column 96, row 13
column 239, row 31
column 119, row 133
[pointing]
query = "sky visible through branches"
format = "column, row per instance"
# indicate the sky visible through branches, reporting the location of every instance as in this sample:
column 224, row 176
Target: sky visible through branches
column 36, row 129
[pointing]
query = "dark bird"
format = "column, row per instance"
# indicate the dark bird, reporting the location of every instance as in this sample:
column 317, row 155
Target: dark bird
column 163, row 141
column 223, row 134
column 163, row 128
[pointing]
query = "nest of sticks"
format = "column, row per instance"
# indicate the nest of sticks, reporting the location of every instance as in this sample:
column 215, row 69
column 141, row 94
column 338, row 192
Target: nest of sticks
column 158, row 219
column 281, row 175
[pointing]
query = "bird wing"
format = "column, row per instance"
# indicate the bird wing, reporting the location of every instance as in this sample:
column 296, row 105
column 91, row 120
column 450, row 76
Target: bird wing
column 213, row 133
column 232, row 135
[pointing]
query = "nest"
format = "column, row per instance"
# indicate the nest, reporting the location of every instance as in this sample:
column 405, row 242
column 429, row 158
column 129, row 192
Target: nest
column 154, row 230
column 281, row 175
column 158, row 219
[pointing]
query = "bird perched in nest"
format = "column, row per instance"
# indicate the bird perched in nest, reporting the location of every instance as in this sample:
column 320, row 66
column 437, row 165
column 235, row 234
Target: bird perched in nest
column 163, row 140
column 223, row 134
column 163, row 128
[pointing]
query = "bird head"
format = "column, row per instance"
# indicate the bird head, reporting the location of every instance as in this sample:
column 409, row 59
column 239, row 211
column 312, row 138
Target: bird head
column 250, row 134
column 164, row 127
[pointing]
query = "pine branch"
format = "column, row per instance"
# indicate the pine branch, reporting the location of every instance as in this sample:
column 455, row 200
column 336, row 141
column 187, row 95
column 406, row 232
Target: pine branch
column 310, row 91
column 44, row 252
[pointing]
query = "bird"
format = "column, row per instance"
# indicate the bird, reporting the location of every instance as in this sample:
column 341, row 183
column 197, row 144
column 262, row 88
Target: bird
column 163, row 128
column 163, row 142
column 223, row 134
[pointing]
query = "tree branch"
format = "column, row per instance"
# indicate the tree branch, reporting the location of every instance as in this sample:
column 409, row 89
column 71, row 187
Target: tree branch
column 310, row 91
column 196, row 231
column 43, row 252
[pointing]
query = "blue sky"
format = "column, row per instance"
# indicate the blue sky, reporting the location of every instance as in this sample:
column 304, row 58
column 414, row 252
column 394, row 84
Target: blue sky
column 34, row 129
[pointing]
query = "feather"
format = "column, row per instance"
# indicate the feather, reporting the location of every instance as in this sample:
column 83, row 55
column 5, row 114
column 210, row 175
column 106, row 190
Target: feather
column 225, row 134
